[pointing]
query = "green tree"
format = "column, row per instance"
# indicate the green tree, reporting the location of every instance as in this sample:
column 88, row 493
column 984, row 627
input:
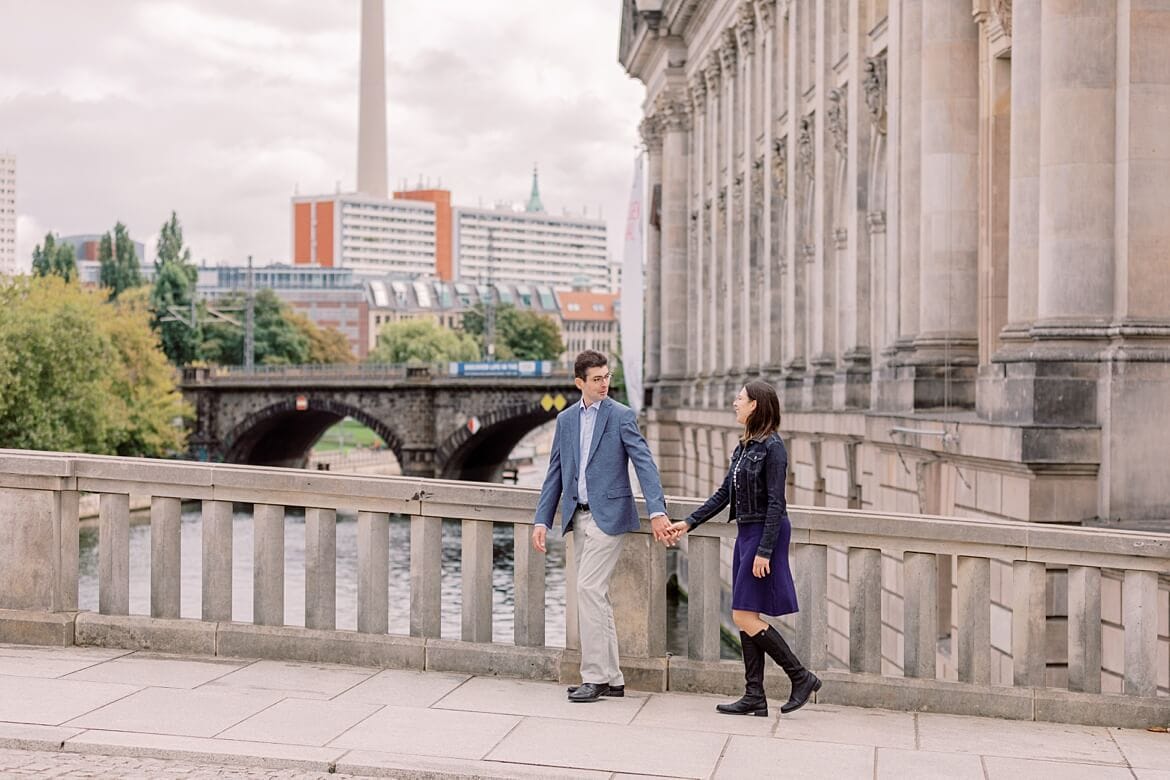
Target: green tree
column 55, row 259
column 79, row 374
column 119, row 262
column 171, row 297
column 278, row 340
column 520, row 334
column 326, row 345
column 422, row 341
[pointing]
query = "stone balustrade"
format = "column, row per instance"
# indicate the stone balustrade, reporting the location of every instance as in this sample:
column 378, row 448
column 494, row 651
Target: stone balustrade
column 39, row 494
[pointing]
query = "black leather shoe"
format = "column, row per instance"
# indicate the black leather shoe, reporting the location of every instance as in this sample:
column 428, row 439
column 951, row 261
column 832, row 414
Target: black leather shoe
column 589, row 692
column 615, row 691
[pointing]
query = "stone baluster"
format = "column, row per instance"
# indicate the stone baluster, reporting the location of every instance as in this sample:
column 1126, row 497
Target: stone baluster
column 1029, row 645
column 974, row 620
column 476, row 581
column 165, row 558
column 268, row 565
column 426, row 564
column 865, row 610
column 703, row 607
column 812, row 575
column 1084, row 629
column 920, row 614
column 114, row 554
column 1139, row 614
column 321, row 568
column 528, row 565
column 373, row 585
column 217, row 560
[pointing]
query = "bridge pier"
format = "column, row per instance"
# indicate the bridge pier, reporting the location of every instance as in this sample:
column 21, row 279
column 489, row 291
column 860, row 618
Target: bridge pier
column 417, row 462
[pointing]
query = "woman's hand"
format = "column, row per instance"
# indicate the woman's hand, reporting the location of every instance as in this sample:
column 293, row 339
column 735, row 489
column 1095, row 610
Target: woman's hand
column 761, row 567
column 674, row 532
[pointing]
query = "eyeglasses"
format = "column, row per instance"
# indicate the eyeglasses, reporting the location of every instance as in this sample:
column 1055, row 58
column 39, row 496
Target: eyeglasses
column 601, row 379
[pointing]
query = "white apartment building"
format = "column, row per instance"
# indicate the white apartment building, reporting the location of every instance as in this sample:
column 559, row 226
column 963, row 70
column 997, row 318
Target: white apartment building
column 531, row 247
column 8, row 260
column 366, row 234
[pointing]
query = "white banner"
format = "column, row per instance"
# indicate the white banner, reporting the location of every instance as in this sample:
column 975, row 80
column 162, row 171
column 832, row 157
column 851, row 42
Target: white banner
column 631, row 323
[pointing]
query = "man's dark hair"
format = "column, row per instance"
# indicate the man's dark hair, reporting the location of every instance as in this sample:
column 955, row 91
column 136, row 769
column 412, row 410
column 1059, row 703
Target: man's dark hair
column 765, row 420
column 588, row 359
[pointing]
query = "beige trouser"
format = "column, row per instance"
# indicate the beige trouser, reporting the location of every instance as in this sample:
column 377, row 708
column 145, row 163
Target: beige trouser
column 597, row 555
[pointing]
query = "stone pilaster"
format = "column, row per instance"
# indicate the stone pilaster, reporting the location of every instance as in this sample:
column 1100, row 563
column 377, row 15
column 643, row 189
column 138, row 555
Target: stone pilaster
column 674, row 114
column 651, row 132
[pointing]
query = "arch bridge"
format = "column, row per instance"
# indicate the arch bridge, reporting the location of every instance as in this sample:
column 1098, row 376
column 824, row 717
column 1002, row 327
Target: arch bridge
column 438, row 423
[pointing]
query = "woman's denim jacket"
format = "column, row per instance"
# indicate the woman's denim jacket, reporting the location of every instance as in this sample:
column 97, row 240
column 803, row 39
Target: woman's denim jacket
column 754, row 486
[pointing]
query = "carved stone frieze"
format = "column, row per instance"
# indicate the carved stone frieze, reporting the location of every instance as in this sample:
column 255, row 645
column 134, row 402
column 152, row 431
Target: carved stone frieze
column 780, row 164
column 806, row 153
column 1003, row 12
column 836, row 119
column 874, row 83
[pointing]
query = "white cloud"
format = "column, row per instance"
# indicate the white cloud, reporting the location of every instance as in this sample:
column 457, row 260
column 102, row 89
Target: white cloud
column 219, row 109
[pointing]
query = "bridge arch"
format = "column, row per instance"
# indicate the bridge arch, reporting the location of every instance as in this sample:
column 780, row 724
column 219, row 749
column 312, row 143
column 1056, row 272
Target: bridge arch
column 480, row 457
column 282, row 435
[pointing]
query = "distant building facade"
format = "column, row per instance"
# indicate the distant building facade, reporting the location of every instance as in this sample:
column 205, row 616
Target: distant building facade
column 590, row 321
column 9, row 263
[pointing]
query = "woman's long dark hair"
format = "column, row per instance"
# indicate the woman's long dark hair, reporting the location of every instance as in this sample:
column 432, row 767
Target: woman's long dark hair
column 765, row 420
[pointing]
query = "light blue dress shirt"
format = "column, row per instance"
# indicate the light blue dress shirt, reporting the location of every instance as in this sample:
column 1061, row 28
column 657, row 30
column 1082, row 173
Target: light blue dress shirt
column 588, row 420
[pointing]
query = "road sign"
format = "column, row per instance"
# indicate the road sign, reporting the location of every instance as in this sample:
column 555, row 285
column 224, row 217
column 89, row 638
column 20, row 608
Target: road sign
column 547, row 402
column 559, row 402
column 473, row 425
column 302, row 403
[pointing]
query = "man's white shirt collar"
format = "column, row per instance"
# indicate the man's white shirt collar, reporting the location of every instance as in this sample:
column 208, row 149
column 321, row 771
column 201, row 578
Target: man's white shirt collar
column 595, row 405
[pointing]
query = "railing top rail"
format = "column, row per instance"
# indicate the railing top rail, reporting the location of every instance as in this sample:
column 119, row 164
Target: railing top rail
column 506, row 503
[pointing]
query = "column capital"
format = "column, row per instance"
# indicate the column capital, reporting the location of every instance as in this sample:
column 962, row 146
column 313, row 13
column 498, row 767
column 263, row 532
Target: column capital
column 698, row 93
column 728, row 52
column 873, row 81
column 1003, row 12
column 806, row 153
column 765, row 10
column 780, row 164
column 651, row 131
column 745, row 27
column 672, row 111
column 712, row 72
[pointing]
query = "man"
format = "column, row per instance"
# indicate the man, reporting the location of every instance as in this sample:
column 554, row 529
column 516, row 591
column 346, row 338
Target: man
column 588, row 473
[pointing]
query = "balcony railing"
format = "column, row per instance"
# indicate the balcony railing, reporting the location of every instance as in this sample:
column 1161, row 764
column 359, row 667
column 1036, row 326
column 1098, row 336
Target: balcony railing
column 39, row 587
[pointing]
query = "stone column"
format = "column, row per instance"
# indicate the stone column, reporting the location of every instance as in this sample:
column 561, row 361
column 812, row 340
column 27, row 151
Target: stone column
column 697, row 193
column 652, row 137
column 712, row 265
column 674, row 115
column 770, row 289
column 747, row 296
column 818, row 384
column 1024, row 217
column 727, row 278
column 947, row 344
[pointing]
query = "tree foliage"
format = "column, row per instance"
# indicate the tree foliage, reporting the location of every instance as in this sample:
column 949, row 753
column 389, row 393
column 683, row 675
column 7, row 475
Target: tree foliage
column 278, row 340
column 520, row 334
column 53, row 259
column 80, row 374
column 119, row 263
column 172, row 296
column 326, row 345
column 422, row 341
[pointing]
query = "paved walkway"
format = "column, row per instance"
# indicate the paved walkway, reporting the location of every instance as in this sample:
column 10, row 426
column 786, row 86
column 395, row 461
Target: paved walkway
column 140, row 715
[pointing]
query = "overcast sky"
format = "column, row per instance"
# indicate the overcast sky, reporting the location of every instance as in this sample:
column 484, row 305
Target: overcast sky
column 221, row 109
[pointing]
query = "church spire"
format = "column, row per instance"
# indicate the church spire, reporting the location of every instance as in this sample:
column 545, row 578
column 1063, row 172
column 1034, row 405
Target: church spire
column 534, row 204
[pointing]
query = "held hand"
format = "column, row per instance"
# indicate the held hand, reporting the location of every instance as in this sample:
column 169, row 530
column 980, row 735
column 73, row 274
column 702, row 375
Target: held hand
column 678, row 530
column 539, row 536
column 660, row 526
column 761, row 567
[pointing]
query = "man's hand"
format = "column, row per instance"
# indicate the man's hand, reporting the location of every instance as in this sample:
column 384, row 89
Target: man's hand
column 539, row 537
column 660, row 526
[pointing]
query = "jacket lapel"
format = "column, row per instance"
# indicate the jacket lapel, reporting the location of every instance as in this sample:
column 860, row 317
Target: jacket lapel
column 598, row 427
column 573, row 442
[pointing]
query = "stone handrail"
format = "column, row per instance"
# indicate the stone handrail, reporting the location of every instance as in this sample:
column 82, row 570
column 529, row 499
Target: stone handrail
column 39, row 582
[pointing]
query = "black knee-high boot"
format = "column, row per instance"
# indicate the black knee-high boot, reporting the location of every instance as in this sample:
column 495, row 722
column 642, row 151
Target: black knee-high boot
column 804, row 682
column 754, row 702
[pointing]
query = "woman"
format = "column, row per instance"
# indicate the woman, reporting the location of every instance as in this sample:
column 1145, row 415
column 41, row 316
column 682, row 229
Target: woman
column 761, row 581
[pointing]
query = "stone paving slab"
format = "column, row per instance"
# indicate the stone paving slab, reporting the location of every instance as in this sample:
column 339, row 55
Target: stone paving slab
column 52, row 702
column 1000, row 768
column 404, row 688
column 26, row 661
column 158, row 671
column 200, row 713
column 24, row 763
column 697, row 712
column 616, row 748
column 120, row 743
column 1143, row 748
column 428, row 732
column 894, row 764
column 299, row 680
column 301, row 722
column 761, row 757
column 400, row 765
column 1017, row 739
column 31, row 737
column 849, row 725
column 538, row 700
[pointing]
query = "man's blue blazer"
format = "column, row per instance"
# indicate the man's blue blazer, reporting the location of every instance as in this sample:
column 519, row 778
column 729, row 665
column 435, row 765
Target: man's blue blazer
column 616, row 442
